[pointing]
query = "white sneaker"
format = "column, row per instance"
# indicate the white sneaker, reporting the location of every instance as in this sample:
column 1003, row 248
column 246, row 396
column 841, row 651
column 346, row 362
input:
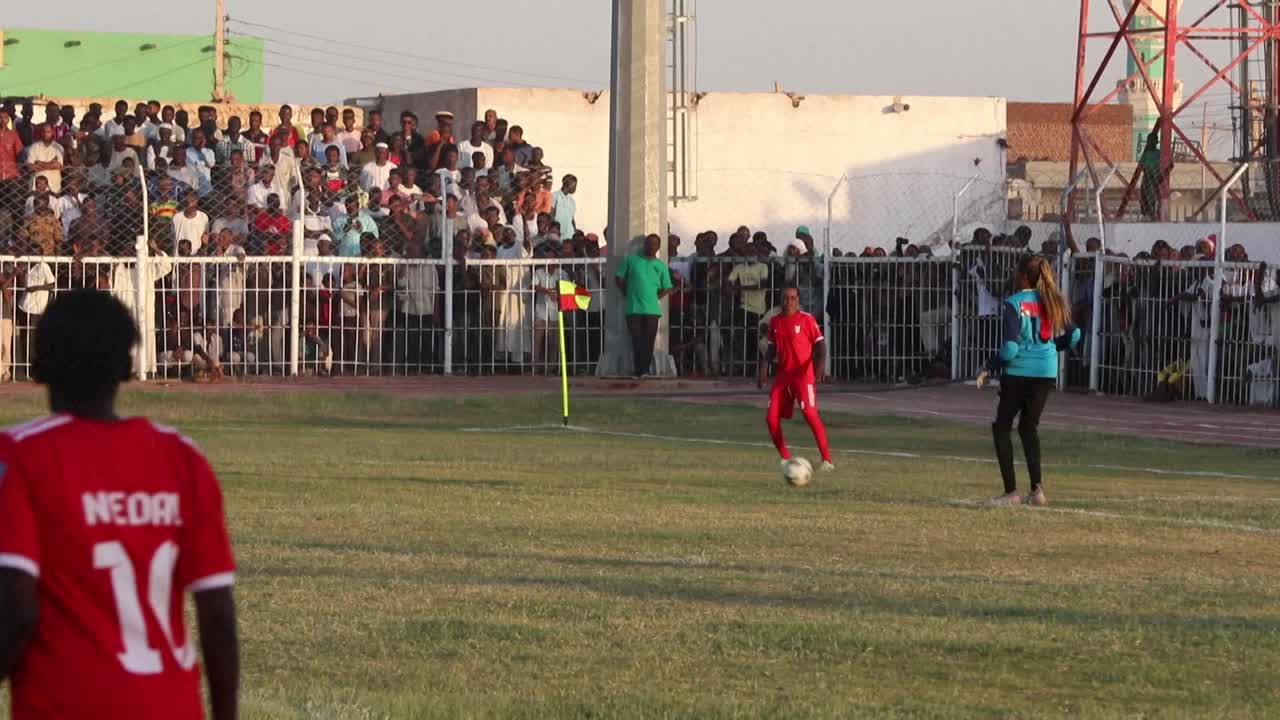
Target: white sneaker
column 828, row 466
column 1007, row 499
column 1036, row 498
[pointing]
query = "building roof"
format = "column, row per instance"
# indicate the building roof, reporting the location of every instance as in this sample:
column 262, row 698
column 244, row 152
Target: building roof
column 1042, row 131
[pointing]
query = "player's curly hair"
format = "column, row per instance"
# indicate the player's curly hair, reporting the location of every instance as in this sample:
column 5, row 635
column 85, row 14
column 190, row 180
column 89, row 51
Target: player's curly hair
column 84, row 344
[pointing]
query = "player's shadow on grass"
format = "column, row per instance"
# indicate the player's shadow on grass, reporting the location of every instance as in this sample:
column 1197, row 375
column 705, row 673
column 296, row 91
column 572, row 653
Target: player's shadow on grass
column 673, row 589
column 678, row 589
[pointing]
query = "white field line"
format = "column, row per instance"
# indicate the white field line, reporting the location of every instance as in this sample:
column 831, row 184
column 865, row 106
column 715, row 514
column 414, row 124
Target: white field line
column 1203, row 523
column 874, row 453
column 1207, row 523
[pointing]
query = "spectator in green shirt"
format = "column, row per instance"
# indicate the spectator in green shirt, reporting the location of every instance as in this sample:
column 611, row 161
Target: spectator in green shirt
column 645, row 281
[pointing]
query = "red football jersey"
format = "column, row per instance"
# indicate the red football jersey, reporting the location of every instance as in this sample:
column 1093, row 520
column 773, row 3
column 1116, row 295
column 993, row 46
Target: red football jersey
column 794, row 337
column 118, row 521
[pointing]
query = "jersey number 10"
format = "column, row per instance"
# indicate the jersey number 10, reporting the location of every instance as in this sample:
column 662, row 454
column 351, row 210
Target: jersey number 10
column 139, row 657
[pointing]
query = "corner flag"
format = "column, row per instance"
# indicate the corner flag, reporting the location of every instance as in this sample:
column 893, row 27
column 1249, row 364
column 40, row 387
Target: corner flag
column 573, row 297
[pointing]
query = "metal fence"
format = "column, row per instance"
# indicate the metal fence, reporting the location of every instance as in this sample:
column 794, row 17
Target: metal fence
column 28, row 283
column 1187, row 330
column 721, row 308
column 1160, row 330
column 982, row 274
column 891, row 318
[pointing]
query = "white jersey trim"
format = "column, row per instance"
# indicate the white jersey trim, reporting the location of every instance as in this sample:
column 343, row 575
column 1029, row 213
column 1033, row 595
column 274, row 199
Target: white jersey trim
column 35, row 427
column 167, row 430
column 20, row 562
column 212, row 582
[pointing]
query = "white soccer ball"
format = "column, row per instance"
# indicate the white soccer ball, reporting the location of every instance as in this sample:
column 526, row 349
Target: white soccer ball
column 797, row 472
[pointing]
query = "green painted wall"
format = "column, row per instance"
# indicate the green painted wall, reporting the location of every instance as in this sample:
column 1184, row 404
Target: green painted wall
column 1148, row 45
column 178, row 69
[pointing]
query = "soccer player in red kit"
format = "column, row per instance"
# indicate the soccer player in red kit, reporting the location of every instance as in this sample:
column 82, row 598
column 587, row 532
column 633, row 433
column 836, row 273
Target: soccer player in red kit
column 796, row 342
column 105, row 524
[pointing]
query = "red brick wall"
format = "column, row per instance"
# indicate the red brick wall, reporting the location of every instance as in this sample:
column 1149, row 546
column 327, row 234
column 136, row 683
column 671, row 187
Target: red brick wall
column 1042, row 131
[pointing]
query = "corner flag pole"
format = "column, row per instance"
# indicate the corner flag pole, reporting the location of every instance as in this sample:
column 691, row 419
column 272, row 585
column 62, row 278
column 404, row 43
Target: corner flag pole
column 564, row 371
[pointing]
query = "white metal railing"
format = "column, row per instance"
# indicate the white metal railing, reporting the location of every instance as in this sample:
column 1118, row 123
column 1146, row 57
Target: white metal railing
column 1206, row 329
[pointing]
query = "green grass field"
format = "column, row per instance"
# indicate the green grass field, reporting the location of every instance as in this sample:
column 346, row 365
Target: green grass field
column 393, row 566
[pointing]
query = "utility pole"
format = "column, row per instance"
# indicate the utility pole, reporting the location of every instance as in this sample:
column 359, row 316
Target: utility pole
column 220, row 52
column 1204, row 148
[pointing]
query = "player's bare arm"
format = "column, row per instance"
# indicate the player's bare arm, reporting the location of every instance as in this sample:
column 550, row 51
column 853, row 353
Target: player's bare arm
column 820, row 361
column 19, row 611
column 219, row 642
column 769, row 356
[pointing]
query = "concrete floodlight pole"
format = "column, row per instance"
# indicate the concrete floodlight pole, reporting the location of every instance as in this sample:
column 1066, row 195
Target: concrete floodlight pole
column 637, row 167
column 220, row 52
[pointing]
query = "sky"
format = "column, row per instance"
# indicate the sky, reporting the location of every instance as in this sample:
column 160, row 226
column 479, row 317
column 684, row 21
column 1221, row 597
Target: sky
column 1019, row 49
column 847, row 46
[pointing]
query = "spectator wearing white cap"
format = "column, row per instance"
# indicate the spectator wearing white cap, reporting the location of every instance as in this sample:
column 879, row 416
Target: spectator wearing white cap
column 377, row 174
column 444, row 129
column 162, row 147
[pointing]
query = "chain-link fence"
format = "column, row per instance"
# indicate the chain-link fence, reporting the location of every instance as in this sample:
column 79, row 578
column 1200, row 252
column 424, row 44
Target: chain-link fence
column 891, row 319
column 928, row 210
column 1182, row 330
column 721, row 308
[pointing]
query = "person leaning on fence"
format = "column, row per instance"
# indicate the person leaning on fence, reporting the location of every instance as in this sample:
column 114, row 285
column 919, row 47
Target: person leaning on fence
column 545, row 281
column 8, row 315
column 644, row 280
column 418, row 313
column 749, row 281
column 1263, row 375
column 1036, row 326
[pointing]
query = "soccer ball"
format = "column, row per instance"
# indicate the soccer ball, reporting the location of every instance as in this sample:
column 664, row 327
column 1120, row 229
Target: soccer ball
column 797, row 472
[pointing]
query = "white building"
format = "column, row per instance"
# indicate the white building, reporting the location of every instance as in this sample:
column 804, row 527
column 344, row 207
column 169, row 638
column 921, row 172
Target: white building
column 771, row 160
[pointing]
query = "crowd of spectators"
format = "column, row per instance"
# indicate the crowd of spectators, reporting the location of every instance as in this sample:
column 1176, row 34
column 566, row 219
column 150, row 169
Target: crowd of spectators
column 202, row 177
column 75, row 188
column 1157, row 322
column 87, row 189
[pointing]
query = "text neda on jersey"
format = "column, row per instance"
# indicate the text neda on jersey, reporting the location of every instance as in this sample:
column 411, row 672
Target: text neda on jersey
column 132, row 509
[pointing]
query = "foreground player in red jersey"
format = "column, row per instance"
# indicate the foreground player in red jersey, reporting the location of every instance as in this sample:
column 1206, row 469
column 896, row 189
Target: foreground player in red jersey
column 796, row 342
column 105, row 524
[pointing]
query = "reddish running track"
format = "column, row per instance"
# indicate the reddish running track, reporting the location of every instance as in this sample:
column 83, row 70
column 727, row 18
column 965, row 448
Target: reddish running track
column 1181, row 422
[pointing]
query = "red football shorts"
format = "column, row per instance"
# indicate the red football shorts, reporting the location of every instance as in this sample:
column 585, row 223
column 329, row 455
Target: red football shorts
column 787, row 394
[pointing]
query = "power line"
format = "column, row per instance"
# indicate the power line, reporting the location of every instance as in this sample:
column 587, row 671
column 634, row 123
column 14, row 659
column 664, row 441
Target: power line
column 385, row 63
column 325, row 75
column 157, row 76
column 445, row 61
column 124, row 58
column 381, row 72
